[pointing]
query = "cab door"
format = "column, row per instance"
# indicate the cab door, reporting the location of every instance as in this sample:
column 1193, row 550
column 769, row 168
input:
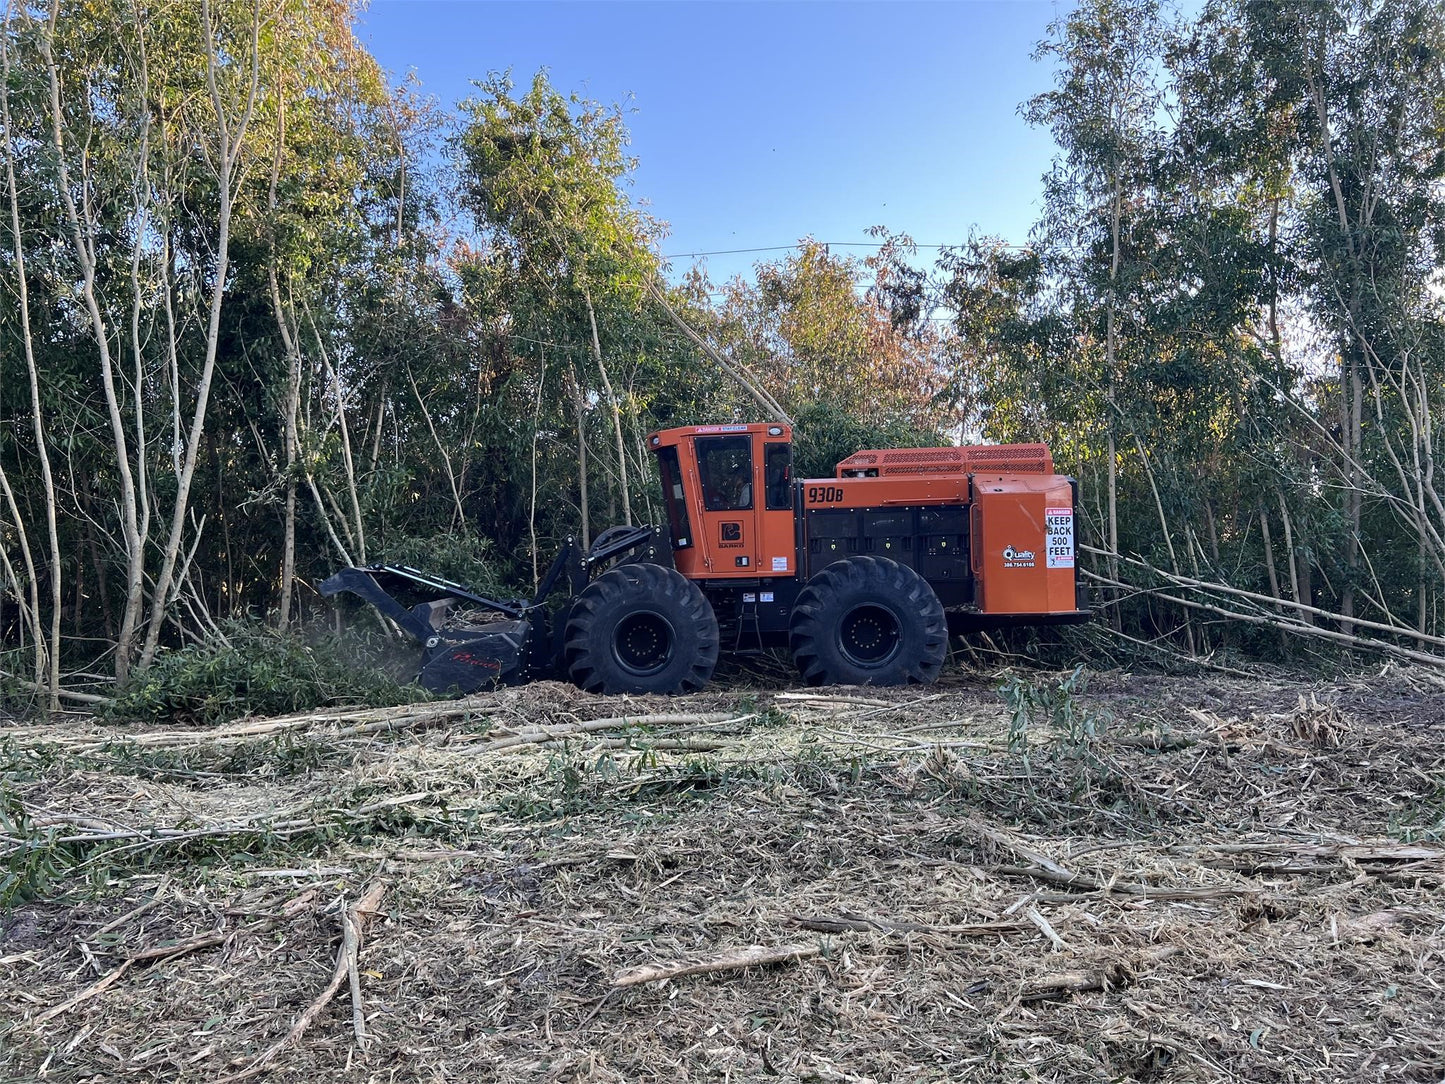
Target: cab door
column 727, row 529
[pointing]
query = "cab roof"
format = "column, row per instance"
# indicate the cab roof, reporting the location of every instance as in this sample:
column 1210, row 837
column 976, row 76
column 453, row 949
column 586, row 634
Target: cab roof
column 664, row 438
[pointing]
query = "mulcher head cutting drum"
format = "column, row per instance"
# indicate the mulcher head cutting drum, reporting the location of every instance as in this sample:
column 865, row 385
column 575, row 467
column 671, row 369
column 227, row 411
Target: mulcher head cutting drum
column 471, row 642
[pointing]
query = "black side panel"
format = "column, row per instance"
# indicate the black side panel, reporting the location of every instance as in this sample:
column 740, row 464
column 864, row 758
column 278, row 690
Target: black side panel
column 932, row 540
column 752, row 614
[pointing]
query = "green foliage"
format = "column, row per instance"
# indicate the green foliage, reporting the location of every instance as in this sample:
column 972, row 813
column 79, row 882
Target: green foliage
column 826, row 433
column 464, row 559
column 1055, row 704
column 1226, row 322
column 257, row 670
column 32, row 857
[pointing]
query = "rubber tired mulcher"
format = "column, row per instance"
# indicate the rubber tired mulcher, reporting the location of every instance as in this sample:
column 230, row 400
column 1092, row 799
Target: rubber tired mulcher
column 862, row 576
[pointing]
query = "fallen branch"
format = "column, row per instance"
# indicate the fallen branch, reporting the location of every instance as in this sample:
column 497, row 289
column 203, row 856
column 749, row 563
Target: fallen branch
column 351, row 947
column 1289, row 857
column 64, row 694
column 1122, row 888
column 754, row 956
column 1046, row 929
column 135, row 912
column 357, row 915
column 1159, row 743
column 1056, row 871
column 1298, row 628
column 1105, row 978
column 833, row 698
column 845, row 923
column 563, row 731
column 132, row 839
column 1268, row 600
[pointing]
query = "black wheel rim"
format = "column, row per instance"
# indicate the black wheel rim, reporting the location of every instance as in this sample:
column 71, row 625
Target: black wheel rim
column 869, row 635
column 643, row 643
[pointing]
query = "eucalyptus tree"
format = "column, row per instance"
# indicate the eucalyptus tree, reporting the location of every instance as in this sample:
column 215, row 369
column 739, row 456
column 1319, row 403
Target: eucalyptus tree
column 1104, row 113
column 563, row 250
column 150, row 165
column 1333, row 111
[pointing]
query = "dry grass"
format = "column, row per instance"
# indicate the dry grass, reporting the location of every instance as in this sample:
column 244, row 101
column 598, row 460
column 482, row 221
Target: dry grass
column 1242, row 880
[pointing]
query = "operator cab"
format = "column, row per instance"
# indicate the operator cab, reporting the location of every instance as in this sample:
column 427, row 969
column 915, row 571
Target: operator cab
column 729, row 496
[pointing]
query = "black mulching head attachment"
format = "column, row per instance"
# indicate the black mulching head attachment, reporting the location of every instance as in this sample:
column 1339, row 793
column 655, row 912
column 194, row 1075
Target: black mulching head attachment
column 459, row 654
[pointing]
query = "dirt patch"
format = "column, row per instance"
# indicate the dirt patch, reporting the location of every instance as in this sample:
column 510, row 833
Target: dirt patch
column 1173, row 880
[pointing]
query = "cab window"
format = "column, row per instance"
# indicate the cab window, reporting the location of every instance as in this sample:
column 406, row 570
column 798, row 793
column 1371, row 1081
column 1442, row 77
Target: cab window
column 778, row 474
column 674, row 498
column 726, row 467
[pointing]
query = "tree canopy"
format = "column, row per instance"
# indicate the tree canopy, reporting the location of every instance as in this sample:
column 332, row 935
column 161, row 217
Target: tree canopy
column 264, row 313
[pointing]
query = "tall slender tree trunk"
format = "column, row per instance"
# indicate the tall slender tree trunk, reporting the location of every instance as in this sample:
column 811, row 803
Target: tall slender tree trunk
column 536, row 432
column 1351, row 356
column 81, row 238
column 1291, row 557
column 1269, row 567
column 579, row 404
column 291, row 407
column 32, row 587
column 1355, row 495
column 614, row 407
column 48, row 676
column 346, row 457
column 1110, row 352
column 228, row 155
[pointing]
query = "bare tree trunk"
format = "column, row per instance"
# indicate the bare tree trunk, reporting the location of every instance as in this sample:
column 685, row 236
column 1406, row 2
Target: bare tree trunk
column 82, row 240
column 1268, row 553
column 1351, row 391
column 46, row 676
column 579, row 403
column 532, row 511
column 33, row 617
column 1292, row 559
column 293, row 383
column 142, row 200
column 1355, row 496
column 1110, row 352
column 346, row 457
column 229, row 151
column 613, row 405
column 1269, row 566
column 458, row 510
column 739, row 374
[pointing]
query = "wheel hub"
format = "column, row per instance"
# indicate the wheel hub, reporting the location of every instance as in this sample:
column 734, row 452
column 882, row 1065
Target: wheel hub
column 869, row 635
column 643, row 643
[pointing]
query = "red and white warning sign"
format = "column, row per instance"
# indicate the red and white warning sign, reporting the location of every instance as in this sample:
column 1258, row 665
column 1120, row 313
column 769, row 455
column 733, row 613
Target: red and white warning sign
column 1059, row 537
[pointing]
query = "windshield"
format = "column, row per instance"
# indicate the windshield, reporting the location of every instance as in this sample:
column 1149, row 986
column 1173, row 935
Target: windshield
column 726, row 466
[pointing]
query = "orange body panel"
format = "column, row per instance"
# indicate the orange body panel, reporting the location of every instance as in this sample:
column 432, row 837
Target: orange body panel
column 970, row 458
column 883, row 492
column 1023, row 544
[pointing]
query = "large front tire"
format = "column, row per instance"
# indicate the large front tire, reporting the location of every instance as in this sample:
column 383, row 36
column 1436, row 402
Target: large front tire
column 868, row 621
column 640, row 629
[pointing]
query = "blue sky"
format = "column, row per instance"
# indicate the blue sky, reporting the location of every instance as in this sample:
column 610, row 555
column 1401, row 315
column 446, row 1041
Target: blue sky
column 758, row 123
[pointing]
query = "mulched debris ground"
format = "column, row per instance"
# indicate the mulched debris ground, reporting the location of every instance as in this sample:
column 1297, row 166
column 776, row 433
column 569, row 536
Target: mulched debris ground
column 1237, row 880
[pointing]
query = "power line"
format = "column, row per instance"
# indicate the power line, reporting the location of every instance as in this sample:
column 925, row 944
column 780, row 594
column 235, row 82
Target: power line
column 784, row 248
column 825, row 244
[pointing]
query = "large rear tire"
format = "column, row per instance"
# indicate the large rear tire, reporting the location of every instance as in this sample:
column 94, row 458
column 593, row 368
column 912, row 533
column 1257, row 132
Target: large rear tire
column 640, row 629
column 868, row 621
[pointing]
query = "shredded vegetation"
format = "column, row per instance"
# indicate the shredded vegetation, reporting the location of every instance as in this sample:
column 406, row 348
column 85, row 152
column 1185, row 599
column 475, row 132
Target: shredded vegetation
column 249, row 668
column 1027, row 877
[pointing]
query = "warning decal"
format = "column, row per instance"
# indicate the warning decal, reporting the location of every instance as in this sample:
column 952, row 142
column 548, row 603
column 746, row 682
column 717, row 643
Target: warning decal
column 1059, row 537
